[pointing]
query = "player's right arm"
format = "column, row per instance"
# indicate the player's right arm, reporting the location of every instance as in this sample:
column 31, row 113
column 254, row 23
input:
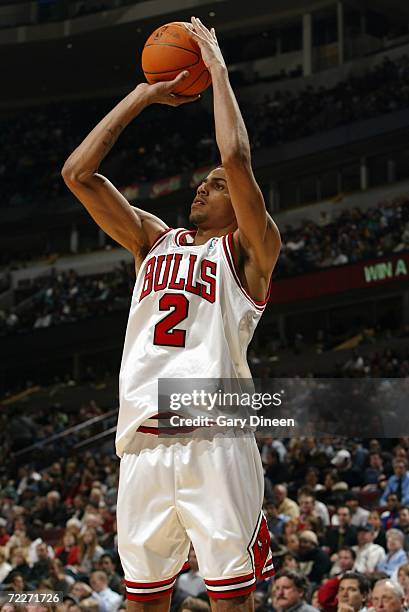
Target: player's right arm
column 134, row 229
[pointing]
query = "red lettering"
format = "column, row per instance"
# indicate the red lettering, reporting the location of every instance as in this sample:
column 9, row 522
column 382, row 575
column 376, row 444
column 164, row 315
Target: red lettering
column 209, row 293
column 196, row 289
column 158, row 286
column 147, row 281
column 180, row 284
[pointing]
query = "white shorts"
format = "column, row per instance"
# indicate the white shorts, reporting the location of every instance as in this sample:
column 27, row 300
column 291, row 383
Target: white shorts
column 208, row 492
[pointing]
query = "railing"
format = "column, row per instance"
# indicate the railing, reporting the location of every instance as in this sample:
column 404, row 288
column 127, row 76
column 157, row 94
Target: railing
column 72, row 431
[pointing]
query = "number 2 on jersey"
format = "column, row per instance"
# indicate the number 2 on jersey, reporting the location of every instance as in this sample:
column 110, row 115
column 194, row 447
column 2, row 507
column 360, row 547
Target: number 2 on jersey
column 165, row 332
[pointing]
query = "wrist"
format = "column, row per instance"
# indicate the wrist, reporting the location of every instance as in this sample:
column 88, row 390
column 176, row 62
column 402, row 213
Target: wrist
column 218, row 69
column 141, row 95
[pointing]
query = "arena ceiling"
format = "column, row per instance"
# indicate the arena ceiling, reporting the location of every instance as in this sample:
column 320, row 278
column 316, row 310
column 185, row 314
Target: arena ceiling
column 106, row 59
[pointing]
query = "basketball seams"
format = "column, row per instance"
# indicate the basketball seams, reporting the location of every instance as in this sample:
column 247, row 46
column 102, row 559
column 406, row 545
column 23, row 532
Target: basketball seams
column 168, row 51
column 167, row 44
column 184, row 67
column 196, row 80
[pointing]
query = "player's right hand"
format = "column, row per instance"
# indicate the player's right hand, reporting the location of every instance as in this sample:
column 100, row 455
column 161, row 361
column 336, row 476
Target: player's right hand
column 163, row 92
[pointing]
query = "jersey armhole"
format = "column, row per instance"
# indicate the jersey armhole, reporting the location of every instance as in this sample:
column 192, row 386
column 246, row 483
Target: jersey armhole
column 228, row 249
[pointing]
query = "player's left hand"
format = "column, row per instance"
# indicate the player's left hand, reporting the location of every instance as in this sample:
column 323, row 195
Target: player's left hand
column 207, row 41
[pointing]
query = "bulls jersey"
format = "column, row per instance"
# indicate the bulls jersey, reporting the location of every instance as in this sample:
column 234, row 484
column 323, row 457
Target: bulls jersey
column 190, row 317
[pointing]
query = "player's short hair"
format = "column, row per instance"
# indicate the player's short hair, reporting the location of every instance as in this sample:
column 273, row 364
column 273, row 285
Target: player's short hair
column 363, row 582
column 299, row 580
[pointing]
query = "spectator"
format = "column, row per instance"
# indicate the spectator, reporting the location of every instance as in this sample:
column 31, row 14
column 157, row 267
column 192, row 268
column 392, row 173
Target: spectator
column 396, row 555
column 69, row 551
column 403, row 579
column 388, row 596
column 311, row 508
column 41, row 567
column 191, row 581
column 368, row 554
column 19, row 565
column 347, row 472
column 4, row 536
column 289, row 592
column 58, row 580
column 389, row 517
column 289, row 561
column 379, row 532
column 342, row 535
column 345, row 561
column 313, row 561
column 108, row 600
column 275, row 470
column 403, row 525
column 54, row 512
column 353, row 592
column 17, row 583
column 375, row 471
column 359, row 516
column 90, row 550
column 285, row 505
column 79, row 591
column 292, row 543
column 5, row 567
column 106, row 563
column 398, row 483
column 275, row 521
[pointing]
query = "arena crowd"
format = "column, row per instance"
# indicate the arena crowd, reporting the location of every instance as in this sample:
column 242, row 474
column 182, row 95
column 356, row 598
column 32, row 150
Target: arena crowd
column 354, row 235
column 48, row 135
column 337, row 512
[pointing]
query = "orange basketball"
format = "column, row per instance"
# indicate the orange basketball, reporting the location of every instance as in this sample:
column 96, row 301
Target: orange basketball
column 169, row 50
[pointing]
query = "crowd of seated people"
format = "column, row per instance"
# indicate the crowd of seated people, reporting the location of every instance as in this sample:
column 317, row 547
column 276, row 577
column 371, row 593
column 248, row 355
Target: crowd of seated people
column 35, row 142
column 337, row 511
column 354, row 235
column 67, row 297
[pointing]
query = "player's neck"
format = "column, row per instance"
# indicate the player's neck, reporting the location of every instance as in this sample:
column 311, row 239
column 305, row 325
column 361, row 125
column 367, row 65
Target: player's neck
column 203, row 235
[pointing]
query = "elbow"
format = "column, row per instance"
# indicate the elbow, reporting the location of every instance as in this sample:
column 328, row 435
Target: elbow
column 69, row 174
column 72, row 175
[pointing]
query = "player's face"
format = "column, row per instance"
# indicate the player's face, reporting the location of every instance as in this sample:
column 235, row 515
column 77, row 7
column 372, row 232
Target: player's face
column 211, row 207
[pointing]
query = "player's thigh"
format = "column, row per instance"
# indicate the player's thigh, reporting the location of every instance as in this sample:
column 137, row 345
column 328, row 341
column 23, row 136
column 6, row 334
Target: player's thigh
column 152, row 543
column 220, row 502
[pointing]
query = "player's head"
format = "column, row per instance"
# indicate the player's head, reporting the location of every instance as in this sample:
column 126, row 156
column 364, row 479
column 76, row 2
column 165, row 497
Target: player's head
column 212, row 207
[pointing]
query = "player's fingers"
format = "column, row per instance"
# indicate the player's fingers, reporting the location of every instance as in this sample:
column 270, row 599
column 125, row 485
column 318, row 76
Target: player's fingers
column 213, row 33
column 169, row 86
column 180, row 77
column 200, row 28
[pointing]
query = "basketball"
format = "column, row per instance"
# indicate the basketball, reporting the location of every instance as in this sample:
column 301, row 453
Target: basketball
column 169, row 50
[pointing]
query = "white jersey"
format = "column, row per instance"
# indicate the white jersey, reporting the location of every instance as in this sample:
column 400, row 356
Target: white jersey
column 190, row 317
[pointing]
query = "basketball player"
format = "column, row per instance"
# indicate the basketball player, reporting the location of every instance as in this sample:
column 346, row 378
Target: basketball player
column 197, row 300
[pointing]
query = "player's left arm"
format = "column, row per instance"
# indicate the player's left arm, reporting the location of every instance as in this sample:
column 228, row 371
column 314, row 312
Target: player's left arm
column 257, row 235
